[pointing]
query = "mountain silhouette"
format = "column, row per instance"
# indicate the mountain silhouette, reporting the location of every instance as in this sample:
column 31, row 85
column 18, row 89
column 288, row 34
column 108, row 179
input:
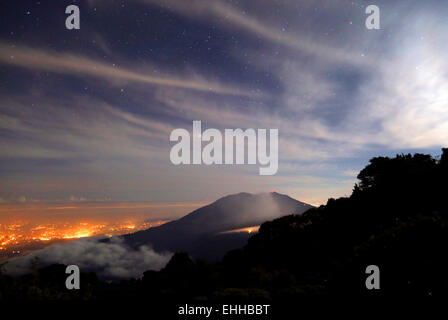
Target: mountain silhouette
column 199, row 233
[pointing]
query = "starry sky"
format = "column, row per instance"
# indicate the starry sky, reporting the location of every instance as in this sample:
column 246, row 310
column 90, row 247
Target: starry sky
column 86, row 114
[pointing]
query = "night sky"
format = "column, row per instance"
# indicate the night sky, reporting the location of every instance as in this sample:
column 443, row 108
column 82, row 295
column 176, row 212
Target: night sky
column 86, row 114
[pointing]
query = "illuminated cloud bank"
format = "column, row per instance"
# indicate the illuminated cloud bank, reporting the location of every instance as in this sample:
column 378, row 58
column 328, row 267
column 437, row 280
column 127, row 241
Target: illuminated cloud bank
column 113, row 260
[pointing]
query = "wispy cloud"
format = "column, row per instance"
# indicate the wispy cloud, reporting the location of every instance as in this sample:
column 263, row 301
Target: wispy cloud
column 67, row 63
column 230, row 16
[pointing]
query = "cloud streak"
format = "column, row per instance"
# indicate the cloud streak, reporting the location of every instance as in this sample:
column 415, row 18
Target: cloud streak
column 66, row 63
column 231, row 17
column 89, row 127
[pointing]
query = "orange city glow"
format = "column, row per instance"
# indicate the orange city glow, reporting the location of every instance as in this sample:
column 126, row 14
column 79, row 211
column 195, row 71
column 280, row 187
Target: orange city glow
column 17, row 234
column 30, row 226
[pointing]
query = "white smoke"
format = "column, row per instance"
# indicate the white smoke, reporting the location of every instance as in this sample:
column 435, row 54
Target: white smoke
column 110, row 260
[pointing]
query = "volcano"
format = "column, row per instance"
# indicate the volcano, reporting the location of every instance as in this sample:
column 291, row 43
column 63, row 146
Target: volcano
column 200, row 233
